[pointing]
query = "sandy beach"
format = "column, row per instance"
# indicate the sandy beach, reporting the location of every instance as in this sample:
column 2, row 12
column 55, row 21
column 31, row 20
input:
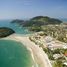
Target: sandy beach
column 38, row 55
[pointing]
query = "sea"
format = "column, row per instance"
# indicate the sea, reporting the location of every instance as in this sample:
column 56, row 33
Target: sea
column 13, row 53
column 16, row 27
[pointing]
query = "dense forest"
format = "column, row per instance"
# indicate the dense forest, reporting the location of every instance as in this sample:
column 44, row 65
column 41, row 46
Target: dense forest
column 4, row 31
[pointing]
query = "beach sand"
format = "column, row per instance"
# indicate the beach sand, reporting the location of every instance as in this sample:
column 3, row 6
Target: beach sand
column 37, row 53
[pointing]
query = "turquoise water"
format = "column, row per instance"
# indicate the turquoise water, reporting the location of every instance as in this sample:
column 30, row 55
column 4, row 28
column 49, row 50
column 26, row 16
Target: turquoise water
column 18, row 29
column 64, row 19
column 14, row 54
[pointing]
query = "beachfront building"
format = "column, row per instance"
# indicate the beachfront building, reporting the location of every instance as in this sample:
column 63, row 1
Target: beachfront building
column 65, row 46
column 65, row 64
column 56, row 56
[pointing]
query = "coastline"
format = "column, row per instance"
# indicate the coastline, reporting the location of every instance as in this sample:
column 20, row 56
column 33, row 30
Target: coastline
column 38, row 55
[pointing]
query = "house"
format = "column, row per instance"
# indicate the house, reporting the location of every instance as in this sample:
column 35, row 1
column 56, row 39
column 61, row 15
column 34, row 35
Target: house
column 65, row 46
column 48, row 39
column 65, row 53
column 56, row 56
column 65, row 63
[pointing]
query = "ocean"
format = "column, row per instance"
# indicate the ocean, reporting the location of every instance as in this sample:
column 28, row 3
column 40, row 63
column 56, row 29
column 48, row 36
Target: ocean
column 12, row 53
column 64, row 20
column 18, row 29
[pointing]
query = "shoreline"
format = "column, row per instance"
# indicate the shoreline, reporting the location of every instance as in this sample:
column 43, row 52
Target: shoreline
column 38, row 55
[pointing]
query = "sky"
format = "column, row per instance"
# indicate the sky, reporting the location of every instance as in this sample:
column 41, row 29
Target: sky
column 19, row 9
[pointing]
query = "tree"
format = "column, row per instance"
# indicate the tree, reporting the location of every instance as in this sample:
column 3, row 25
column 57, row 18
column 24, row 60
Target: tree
column 5, row 31
column 58, row 63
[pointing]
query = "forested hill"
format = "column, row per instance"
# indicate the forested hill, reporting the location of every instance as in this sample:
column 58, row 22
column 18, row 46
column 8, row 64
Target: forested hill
column 5, row 31
column 38, row 21
column 46, row 20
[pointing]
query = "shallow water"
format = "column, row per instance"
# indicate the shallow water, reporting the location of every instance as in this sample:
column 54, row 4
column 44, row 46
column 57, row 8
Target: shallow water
column 18, row 29
column 14, row 54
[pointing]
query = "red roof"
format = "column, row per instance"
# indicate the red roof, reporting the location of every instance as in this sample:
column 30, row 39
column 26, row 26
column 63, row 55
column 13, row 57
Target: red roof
column 65, row 53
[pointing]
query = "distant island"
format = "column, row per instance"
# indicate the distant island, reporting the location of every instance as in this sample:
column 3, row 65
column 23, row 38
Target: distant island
column 38, row 21
column 35, row 23
column 5, row 31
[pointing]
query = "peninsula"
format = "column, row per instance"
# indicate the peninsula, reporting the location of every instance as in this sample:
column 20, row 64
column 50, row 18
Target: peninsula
column 48, row 43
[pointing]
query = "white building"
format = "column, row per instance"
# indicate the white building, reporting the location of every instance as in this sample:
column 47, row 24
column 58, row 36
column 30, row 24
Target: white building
column 65, row 46
column 65, row 63
column 48, row 39
column 56, row 56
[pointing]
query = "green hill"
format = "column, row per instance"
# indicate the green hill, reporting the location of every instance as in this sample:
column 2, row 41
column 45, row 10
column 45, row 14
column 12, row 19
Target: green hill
column 38, row 21
column 35, row 23
column 42, row 20
column 4, row 32
column 46, row 20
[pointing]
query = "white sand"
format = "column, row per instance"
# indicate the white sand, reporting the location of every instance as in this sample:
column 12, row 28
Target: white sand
column 38, row 55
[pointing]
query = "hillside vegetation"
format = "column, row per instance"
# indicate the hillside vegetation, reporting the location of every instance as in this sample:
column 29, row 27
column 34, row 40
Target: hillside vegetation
column 38, row 21
column 57, row 32
column 46, row 20
column 35, row 23
column 42, row 20
column 4, row 32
